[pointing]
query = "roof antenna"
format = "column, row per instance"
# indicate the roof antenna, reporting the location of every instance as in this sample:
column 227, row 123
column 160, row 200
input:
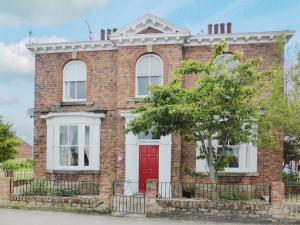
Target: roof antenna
column 29, row 37
column 91, row 34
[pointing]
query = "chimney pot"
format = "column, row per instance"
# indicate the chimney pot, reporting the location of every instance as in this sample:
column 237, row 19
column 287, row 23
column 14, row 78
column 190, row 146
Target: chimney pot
column 209, row 28
column 229, row 27
column 108, row 34
column 102, row 34
column 216, row 28
column 222, row 28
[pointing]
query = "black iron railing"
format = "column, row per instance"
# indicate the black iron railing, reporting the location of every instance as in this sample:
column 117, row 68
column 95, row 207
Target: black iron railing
column 127, row 198
column 292, row 192
column 54, row 187
column 238, row 192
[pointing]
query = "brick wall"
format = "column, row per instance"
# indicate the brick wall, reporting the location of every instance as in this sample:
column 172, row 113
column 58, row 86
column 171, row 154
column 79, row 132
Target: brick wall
column 110, row 89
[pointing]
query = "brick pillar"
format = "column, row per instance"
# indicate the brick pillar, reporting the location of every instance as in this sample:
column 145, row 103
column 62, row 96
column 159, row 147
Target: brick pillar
column 277, row 198
column 106, row 194
column 5, row 188
column 151, row 206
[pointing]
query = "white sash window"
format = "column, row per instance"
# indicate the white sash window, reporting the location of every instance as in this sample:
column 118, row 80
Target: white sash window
column 73, row 141
column 149, row 70
column 74, row 81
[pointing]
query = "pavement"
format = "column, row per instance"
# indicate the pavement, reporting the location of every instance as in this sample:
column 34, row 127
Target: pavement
column 36, row 217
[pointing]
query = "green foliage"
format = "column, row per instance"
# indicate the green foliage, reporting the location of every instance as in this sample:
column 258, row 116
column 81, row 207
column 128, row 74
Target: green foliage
column 8, row 142
column 291, row 179
column 187, row 170
column 235, row 196
column 66, row 192
column 222, row 106
column 43, row 187
column 36, row 188
column 17, row 165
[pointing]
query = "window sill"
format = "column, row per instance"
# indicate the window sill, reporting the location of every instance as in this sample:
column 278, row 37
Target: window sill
column 135, row 100
column 73, row 172
column 235, row 174
column 71, row 103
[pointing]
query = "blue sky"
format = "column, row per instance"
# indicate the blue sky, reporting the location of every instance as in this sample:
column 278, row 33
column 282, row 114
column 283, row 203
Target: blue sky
column 59, row 20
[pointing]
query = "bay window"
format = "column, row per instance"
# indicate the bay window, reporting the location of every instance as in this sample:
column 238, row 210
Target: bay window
column 73, row 141
column 243, row 158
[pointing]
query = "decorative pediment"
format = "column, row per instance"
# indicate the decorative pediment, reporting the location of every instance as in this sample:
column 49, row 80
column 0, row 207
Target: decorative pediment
column 150, row 24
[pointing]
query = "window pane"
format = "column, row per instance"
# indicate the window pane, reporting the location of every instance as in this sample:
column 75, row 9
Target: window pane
column 156, row 80
column 234, row 153
column 86, row 156
column 73, row 156
column 64, row 156
column 81, row 90
column 143, row 66
column 143, row 84
column 87, row 135
column 63, row 135
column 73, row 135
column 155, row 66
column 70, row 90
column 147, row 136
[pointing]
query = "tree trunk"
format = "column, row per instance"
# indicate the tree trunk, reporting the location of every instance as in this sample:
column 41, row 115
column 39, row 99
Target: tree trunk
column 212, row 171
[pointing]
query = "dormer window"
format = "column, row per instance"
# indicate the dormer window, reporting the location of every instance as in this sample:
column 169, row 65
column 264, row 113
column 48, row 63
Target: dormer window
column 74, row 78
column 149, row 70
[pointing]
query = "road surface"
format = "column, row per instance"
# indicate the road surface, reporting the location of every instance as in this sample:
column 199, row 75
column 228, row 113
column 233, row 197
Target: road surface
column 35, row 217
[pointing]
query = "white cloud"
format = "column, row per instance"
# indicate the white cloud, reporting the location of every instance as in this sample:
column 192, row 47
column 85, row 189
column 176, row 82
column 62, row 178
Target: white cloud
column 45, row 12
column 17, row 61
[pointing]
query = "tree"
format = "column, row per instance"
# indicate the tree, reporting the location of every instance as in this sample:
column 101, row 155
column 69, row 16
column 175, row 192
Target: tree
column 222, row 106
column 281, row 109
column 8, row 142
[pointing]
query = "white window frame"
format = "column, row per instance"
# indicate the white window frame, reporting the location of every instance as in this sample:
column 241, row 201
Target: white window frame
column 65, row 99
column 137, row 75
column 247, row 159
column 80, row 119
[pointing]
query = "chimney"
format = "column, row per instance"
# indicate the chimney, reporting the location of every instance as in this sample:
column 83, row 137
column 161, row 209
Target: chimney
column 216, row 28
column 102, row 34
column 209, row 28
column 114, row 30
column 108, row 34
column 222, row 28
column 229, row 28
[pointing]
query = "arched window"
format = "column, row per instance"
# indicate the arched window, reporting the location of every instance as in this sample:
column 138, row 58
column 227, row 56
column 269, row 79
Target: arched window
column 226, row 58
column 149, row 70
column 74, row 81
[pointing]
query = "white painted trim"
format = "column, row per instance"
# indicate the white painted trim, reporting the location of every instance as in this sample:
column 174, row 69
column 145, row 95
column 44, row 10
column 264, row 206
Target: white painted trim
column 132, row 144
column 147, row 21
column 158, row 39
column 65, row 114
column 79, row 46
column 239, row 38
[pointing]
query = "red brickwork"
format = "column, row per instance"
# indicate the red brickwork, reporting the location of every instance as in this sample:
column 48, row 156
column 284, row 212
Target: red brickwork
column 111, row 86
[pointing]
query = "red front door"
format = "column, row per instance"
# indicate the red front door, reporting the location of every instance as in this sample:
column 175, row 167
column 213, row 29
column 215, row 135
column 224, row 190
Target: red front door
column 148, row 165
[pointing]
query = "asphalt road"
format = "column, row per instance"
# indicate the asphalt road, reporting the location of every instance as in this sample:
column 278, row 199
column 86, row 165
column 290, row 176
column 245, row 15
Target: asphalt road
column 35, row 217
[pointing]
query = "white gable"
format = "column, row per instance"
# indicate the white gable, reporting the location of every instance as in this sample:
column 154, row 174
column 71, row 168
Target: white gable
column 150, row 21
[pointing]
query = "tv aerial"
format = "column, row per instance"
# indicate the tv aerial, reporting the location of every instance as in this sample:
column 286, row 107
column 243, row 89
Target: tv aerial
column 91, row 34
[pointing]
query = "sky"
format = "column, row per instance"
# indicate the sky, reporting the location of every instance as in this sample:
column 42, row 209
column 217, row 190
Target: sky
column 63, row 20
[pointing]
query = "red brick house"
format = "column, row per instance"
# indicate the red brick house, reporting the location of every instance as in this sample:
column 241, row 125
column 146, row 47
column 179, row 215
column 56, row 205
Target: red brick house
column 25, row 150
column 84, row 92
